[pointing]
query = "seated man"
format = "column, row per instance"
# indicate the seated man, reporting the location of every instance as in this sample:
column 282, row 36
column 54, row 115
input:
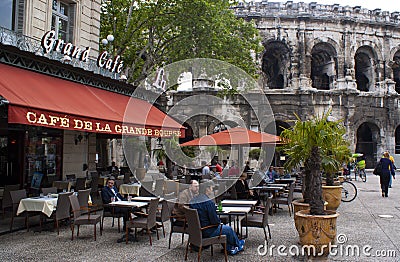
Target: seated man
column 208, row 216
column 109, row 193
column 184, row 198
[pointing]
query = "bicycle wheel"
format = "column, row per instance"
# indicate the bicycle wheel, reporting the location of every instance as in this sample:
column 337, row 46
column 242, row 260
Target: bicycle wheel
column 349, row 191
column 363, row 175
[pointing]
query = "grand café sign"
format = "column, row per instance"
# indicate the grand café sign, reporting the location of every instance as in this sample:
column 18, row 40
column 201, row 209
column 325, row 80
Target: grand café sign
column 50, row 43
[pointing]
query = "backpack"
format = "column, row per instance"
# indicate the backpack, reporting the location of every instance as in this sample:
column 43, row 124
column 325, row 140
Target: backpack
column 378, row 169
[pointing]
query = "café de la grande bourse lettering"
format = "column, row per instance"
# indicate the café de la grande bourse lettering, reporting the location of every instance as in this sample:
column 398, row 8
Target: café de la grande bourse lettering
column 97, row 126
column 50, row 43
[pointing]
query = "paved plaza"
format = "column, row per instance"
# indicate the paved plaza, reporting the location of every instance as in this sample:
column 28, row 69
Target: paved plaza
column 359, row 224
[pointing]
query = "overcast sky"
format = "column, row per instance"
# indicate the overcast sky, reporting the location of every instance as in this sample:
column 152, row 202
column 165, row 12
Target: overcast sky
column 385, row 5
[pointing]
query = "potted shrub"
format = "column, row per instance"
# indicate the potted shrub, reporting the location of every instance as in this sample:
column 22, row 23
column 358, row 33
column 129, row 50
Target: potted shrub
column 313, row 144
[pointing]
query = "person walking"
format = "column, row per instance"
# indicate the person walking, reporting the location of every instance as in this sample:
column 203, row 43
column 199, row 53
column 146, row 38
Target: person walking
column 387, row 170
column 391, row 159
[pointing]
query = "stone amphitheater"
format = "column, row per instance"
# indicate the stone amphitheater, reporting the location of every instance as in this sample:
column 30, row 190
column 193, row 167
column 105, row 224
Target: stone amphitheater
column 317, row 57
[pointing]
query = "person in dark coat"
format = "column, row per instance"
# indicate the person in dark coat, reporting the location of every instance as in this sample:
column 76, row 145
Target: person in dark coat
column 243, row 191
column 110, row 193
column 387, row 170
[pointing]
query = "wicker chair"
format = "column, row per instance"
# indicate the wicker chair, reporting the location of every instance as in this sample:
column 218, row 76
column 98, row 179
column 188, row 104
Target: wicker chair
column 259, row 220
column 285, row 199
column 148, row 222
column 49, row 190
column 195, row 234
column 83, row 219
column 16, row 197
column 63, row 209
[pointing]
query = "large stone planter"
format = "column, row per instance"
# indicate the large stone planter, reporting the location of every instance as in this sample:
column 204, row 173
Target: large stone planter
column 317, row 230
column 140, row 173
column 332, row 195
column 299, row 205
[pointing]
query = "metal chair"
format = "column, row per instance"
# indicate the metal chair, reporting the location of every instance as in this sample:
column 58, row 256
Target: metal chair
column 259, row 220
column 147, row 222
column 83, row 219
column 196, row 237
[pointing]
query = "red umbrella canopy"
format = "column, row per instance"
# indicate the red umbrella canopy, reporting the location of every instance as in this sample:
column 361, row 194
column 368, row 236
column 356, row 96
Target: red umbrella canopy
column 235, row 136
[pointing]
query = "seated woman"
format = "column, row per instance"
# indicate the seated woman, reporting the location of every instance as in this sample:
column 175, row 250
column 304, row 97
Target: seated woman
column 243, row 191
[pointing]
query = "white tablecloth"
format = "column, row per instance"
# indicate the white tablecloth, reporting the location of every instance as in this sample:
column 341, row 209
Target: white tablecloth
column 46, row 205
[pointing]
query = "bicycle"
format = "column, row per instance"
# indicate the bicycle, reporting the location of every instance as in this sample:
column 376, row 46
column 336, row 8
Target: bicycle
column 349, row 190
column 361, row 173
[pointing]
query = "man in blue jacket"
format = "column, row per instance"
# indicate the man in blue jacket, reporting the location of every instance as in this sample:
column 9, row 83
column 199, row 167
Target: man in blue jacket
column 208, row 216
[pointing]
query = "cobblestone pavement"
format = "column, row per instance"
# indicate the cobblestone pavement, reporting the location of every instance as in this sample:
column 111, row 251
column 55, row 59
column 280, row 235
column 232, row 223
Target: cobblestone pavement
column 360, row 224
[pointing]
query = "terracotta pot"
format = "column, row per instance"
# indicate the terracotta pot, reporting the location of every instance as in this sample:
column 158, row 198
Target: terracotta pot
column 140, row 173
column 299, row 205
column 317, row 230
column 332, row 195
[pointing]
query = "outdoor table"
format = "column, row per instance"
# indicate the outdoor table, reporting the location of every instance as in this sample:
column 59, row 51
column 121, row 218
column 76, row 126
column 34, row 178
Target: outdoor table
column 276, row 185
column 129, row 189
column 238, row 203
column 236, row 211
column 146, row 199
column 125, row 203
column 45, row 205
column 285, row 180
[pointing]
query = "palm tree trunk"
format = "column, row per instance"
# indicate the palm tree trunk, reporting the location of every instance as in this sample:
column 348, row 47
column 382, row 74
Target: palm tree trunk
column 316, row 202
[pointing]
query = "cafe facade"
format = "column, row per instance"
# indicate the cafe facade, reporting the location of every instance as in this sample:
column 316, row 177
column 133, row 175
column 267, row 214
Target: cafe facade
column 61, row 100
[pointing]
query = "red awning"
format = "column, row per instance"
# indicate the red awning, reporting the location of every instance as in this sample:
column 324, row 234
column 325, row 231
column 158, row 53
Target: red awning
column 41, row 100
column 235, row 136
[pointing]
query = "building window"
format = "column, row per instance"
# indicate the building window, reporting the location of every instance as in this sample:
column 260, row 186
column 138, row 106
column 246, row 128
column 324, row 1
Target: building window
column 62, row 20
column 12, row 14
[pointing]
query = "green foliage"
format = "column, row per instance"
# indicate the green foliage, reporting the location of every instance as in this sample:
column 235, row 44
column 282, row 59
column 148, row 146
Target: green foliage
column 328, row 136
column 150, row 34
column 318, row 144
column 255, row 153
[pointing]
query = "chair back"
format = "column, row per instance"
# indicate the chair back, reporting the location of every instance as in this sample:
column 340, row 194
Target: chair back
column 159, row 187
column 194, row 228
column 47, row 190
column 63, row 206
column 127, row 177
column 152, row 215
column 16, row 196
column 118, row 183
column 290, row 194
column 76, row 209
column 171, row 187
column 94, row 183
column 266, row 210
column 83, row 197
column 233, row 192
column 165, row 211
column 146, row 189
column 71, row 177
column 80, row 183
column 7, row 202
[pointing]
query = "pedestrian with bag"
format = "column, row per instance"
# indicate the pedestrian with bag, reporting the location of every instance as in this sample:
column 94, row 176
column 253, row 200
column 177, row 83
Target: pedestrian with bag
column 384, row 169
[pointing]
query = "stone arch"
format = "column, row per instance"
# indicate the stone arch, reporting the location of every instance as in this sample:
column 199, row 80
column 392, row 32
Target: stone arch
column 366, row 68
column 397, row 140
column 276, row 128
column 367, row 141
column 189, row 133
column 395, row 65
column 324, row 66
column 276, row 64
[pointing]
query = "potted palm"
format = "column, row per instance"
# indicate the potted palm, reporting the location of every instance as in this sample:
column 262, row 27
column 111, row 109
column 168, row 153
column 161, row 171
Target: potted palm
column 312, row 144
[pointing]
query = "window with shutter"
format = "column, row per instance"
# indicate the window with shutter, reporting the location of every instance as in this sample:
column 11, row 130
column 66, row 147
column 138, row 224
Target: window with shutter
column 12, row 14
column 62, row 21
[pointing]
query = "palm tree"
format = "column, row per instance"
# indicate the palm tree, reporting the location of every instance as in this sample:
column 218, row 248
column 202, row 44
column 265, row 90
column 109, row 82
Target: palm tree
column 318, row 144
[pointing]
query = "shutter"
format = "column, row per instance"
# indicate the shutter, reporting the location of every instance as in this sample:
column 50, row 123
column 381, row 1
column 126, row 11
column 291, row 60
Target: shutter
column 71, row 22
column 19, row 16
